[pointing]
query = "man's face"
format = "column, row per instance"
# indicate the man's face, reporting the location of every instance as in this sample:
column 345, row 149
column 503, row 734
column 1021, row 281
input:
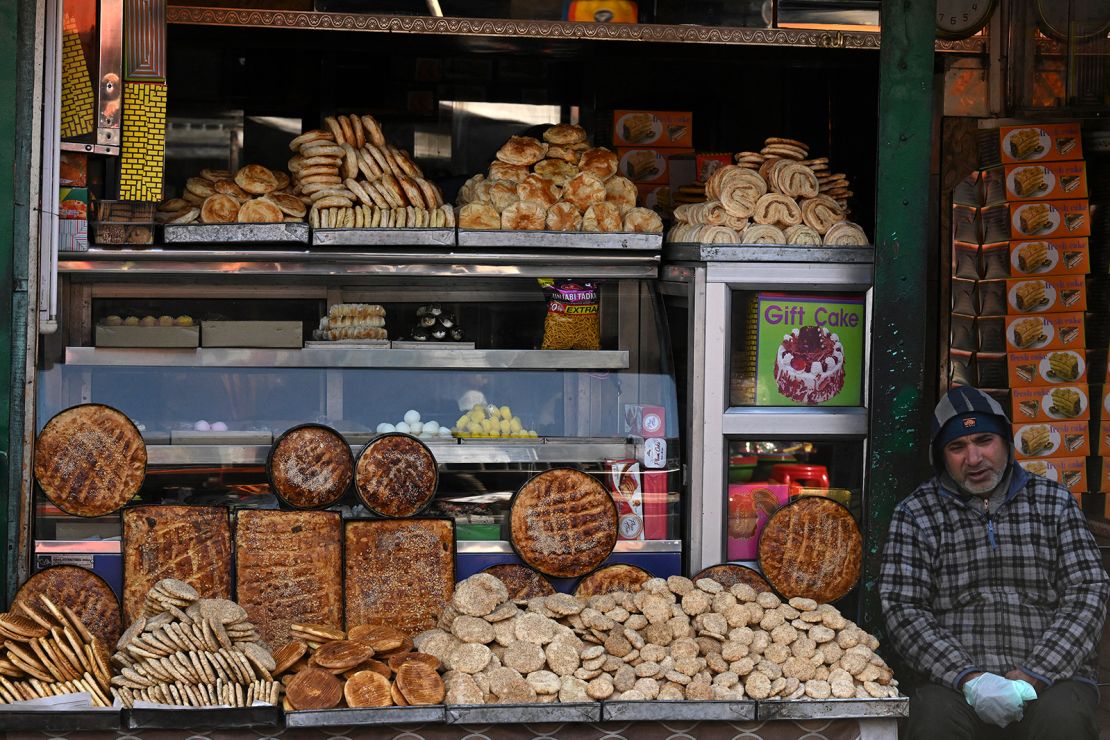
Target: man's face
column 977, row 461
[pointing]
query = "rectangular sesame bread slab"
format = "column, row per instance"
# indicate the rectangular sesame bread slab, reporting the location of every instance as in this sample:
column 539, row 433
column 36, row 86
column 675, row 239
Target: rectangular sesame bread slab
column 399, row 572
column 189, row 543
column 288, row 569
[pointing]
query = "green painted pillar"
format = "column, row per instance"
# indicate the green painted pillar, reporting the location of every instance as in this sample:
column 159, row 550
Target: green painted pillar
column 900, row 406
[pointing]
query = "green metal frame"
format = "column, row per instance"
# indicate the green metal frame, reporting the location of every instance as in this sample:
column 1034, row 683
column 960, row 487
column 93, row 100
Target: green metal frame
column 900, row 407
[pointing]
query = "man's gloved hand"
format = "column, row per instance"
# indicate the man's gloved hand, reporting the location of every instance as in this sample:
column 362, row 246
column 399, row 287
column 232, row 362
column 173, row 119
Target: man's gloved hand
column 997, row 700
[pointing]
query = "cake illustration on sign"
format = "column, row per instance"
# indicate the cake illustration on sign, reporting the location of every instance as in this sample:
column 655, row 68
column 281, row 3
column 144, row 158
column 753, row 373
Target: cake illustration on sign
column 809, row 367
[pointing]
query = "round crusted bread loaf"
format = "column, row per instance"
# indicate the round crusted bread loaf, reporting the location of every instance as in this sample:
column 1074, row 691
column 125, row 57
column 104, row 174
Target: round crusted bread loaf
column 599, row 161
column 499, row 170
column 90, row 460
column 524, row 150
column 564, row 133
column 87, row 595
column 313, row 688
column 479, row 216
column 563, row 523
column 524, row 215
column 728, row 574
column 521, row 581
column 557, row 170
column 396, row 475
column 256, row 179
column 812, row 548
column 310, row 466
column 610, row 578
column 602, row 217
column 539, row 189
column 219, row 209
column 564, row 216
column 259, row 211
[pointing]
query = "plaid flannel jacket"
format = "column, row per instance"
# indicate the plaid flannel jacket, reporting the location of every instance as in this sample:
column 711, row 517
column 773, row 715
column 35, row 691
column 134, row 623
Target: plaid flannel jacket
column 1023, row 587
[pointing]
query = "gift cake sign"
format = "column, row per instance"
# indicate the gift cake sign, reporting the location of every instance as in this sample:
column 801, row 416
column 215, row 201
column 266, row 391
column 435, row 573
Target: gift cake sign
column 810, row 350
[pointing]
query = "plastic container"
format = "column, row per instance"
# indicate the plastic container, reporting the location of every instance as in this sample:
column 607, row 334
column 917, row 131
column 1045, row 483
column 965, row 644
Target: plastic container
column 741, row 468
column 799, row 475
column 767, row 462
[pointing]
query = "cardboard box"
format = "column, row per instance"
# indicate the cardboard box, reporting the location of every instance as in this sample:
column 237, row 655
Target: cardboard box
column 1050, row 331
column 653, row 127
column 1053, row 219
column 287, row 334
column 1055, row 294
column 654, row 196
column 750, row 505
column 1070, row 472
column 1050, row 403
column 73, row 235
column 1052, row 142
column 73, row 170
column 644, row 421
column 73, row 203
column 147, row 336
column 641, row 499
column 1046, row 367
column 1053, row 180
column 706, row 164
column 1104, row 477
column 1052, row 439
column 646, row 165
column 809, row 350
column 602, row 11
column 1104, row 438
column 1050, row 257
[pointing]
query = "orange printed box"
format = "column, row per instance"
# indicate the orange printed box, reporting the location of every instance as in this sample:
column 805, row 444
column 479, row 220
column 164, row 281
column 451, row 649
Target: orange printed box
column 1053, row 439
column 646, row 165
column 1070, row 472
column 1104, row 438
column 1050, row 331
column 1046, row 403
column 1046, row 181
column 1104, row 412
column 1060, row 294
column 653, row 128
column 1050, row 257
column 1046, row 367
column 1104, row 478
column 1054, row 219
column 1052, row 142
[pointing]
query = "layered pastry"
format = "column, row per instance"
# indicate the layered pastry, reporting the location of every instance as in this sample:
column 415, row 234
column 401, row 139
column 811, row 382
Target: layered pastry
column 1063, row 365
column 352, row 321
column 1036, row 467
column 1026, row 142
column 1034, row 218
column 1030, row 407
column 1071, row 259
column 1031, row 295
column 809, row 366
column 1071, row 477
column 1066, row 402
column 1035, row 439
column 1068, row 334
column 638, row 127
column 1073, row 442
column 1033, row 256
column 1069, row 183
column 641, row 165
column 1029, row 181
column 1028, row 332
column 1073, row 221
column 1069, row 297
column 1065, row 144
column 1025, row 372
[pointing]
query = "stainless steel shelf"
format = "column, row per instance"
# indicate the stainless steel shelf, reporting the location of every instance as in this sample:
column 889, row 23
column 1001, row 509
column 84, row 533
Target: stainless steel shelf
column 810, row 423
column 679, row 252
column 833, row 708
column 470, row 359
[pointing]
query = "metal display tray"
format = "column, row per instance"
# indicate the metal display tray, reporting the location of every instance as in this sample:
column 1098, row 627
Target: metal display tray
column 468, row 714
column 225, row 718
column 832, row 708
column 60, row 720
column 409, row 344
column 559, row 240
column 365, row 716
column 283, row 233
column 654, row 711
column 383, row 237
column 694, row 252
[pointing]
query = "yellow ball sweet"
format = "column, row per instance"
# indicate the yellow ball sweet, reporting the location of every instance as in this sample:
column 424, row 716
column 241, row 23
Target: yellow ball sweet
column 506, row 412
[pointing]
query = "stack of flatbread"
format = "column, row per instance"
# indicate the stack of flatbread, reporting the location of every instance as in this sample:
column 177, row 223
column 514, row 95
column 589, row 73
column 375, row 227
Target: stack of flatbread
column 355, row 180
column 558, row 184
column 773, row 196
column 252, row 195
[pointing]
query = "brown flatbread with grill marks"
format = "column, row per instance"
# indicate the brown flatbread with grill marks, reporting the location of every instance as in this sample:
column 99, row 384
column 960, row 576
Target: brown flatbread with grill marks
column 88, row 595
column 521, row 581
column 90, row 460
column 396, row 475
column 728, row 574
column 310, row 466
column 811, row 548
column 189, row 543
column 615, row 577
column 289, row 569
column 563, row 523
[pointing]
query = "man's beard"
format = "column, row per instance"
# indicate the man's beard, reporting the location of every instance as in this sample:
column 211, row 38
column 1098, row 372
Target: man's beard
column 985, row 487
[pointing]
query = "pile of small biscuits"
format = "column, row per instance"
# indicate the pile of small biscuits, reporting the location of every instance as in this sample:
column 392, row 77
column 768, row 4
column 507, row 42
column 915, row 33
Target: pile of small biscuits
column 369, row 666
column 674, row 639
column 189, row 651
column 49, row 652
column 253, row 194
column 392, row 192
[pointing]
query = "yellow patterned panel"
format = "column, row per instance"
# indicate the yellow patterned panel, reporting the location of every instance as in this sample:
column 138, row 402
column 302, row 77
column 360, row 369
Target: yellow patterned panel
column 77, row 90
column 142, row 161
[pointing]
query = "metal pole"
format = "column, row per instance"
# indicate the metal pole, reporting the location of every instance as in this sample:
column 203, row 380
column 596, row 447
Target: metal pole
column 900, row 406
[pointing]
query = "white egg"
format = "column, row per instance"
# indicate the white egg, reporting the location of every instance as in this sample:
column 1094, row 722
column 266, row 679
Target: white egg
column 219, row 426
column 431, row 427
column 402, row 427
column 386, row 427
column 412, row 416
column 445, row 432
column 381, row 427
column 202, row 426
column 415, row 427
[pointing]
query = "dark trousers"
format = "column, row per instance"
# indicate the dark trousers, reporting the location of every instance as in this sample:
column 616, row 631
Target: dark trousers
column 1066, row 710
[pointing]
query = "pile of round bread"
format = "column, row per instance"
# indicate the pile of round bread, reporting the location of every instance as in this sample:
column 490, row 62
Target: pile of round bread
column 673, row 639
column 558, row 184
column 774, row 196
column 189, row 651
column 370, row 666
column 252, row 195
column 392, row 192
